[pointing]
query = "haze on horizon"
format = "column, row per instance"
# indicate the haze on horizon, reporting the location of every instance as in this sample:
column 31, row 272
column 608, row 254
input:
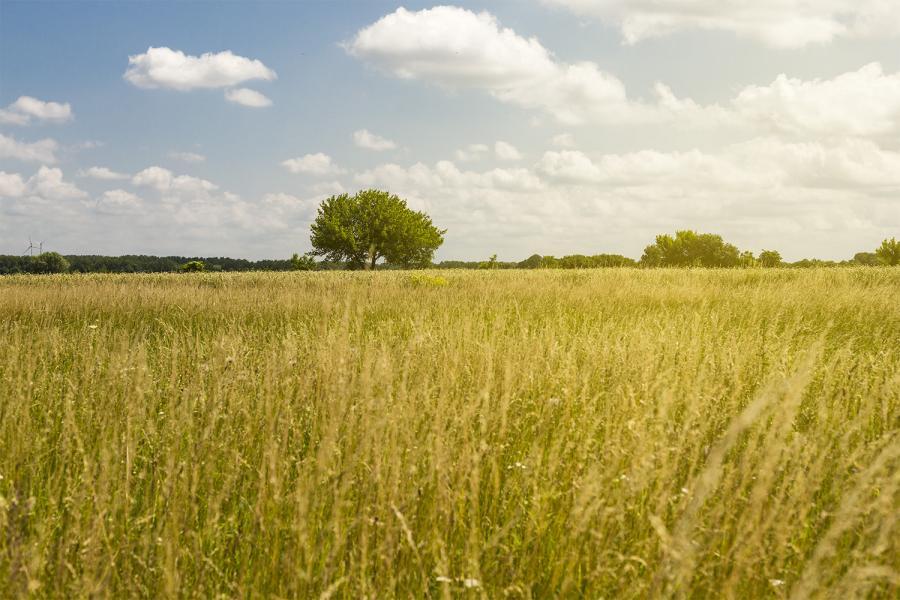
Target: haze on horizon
column 542, row 126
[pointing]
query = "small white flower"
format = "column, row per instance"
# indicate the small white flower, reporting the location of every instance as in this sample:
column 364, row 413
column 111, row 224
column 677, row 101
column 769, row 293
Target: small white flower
column 93, row 326
column 776, row 582
column 471, row 583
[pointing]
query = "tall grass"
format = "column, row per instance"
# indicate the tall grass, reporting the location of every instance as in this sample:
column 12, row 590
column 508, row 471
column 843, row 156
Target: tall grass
column 610, row 433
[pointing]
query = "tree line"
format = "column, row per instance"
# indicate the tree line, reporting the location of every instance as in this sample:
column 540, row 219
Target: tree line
column 684, row 249
column 358, row 231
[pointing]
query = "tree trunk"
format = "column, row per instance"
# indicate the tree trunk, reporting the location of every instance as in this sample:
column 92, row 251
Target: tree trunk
column 373, row 256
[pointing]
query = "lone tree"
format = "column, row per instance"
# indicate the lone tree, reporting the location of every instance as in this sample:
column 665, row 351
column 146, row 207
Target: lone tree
column 370, row 225
column 691, row 249
column 49, row 262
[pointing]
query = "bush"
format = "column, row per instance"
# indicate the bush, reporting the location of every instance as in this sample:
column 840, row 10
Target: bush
column 193, row 266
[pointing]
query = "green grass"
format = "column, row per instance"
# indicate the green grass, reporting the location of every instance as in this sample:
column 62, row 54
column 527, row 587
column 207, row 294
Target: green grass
column 608, row 433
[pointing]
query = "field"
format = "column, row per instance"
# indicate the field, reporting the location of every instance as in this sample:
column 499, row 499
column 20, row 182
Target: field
column 613, row 433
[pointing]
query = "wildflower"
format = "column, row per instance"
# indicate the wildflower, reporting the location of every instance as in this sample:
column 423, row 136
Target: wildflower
column 93, row 326
column 776, row 582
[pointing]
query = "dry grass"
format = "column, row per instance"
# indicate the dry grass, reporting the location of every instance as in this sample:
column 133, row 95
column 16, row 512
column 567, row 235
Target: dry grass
column 612, row 433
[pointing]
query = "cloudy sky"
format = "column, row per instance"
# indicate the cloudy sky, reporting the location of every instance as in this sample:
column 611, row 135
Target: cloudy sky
column 548, row 126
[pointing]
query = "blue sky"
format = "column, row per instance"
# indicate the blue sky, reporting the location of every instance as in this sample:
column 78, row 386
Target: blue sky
column 521, row 127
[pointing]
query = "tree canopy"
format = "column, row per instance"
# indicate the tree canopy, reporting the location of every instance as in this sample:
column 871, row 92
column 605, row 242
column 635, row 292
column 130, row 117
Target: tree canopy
column 370, row 225
column 889, row 252
column 691, row 249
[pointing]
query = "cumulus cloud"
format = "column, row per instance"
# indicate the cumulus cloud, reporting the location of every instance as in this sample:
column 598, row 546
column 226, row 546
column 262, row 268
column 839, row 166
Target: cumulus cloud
column 457, row 48
column 26, row 109
column 312, row 164
column 445, row 174
column 48, row 183
column 859, row 103
column 777, row 23
column 43, row 151
column 188, row 157
column 368, row 140
column 173, row 69
column 118, row 201
column 164, row 180
column 102, row 173
column 563, row 140
column 11, row 185
column 757, row 164
column 472, row 152
column 506, row 151
column 247, row 97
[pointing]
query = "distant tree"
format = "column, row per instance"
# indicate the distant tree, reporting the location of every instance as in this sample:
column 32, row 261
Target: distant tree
column 691, row 249
column 370, row 225
column 49, row 262
column 532, row 262
column 868, row 259
column 770, row 258
column 193, row 266
column 747, row 259
column 303, row 263
column 612, row 260
column 549, row 262
column 889, row 252
column 490, row 263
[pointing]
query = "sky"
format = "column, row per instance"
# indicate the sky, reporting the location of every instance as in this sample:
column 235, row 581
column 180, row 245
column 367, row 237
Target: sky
column 529, row 126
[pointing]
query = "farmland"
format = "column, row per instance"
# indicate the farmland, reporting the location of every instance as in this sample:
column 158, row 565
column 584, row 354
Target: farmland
column 617, row 433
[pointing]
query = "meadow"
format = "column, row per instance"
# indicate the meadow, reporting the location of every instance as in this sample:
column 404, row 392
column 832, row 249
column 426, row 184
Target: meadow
column 609, row 433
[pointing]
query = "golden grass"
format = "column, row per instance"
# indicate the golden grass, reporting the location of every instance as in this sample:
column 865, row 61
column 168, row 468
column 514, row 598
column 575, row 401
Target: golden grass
column 609, row 433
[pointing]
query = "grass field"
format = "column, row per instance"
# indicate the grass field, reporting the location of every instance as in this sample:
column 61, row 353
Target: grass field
column 601, row 434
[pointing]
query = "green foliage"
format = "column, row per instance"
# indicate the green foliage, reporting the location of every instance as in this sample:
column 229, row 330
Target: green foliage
column 49, row 262
column 193, row 266
column 303, row 263
column 691, row 249
column 371, row 225
column 770, row 259
column 868, row 259
column 889, row 252
column 490, row 263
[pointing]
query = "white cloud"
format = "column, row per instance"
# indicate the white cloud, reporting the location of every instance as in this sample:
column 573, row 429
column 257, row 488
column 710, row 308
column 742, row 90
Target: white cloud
column 312, row 164
column 43, row 151
column 48, row 183
column 327, row 188
column 457, row 48
column 26, row 108
column 368, row 140
column 188, row 157
column 11, row 185
column 173, row 69
column 859, row 103
column 563, row 140
column 119, row 201
column 101, row 173
column 778, row 23
column 247, row 97
column 506, row 151
column 164, row 180
column 472, row 152
column 446, row 175
column 755, row 165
